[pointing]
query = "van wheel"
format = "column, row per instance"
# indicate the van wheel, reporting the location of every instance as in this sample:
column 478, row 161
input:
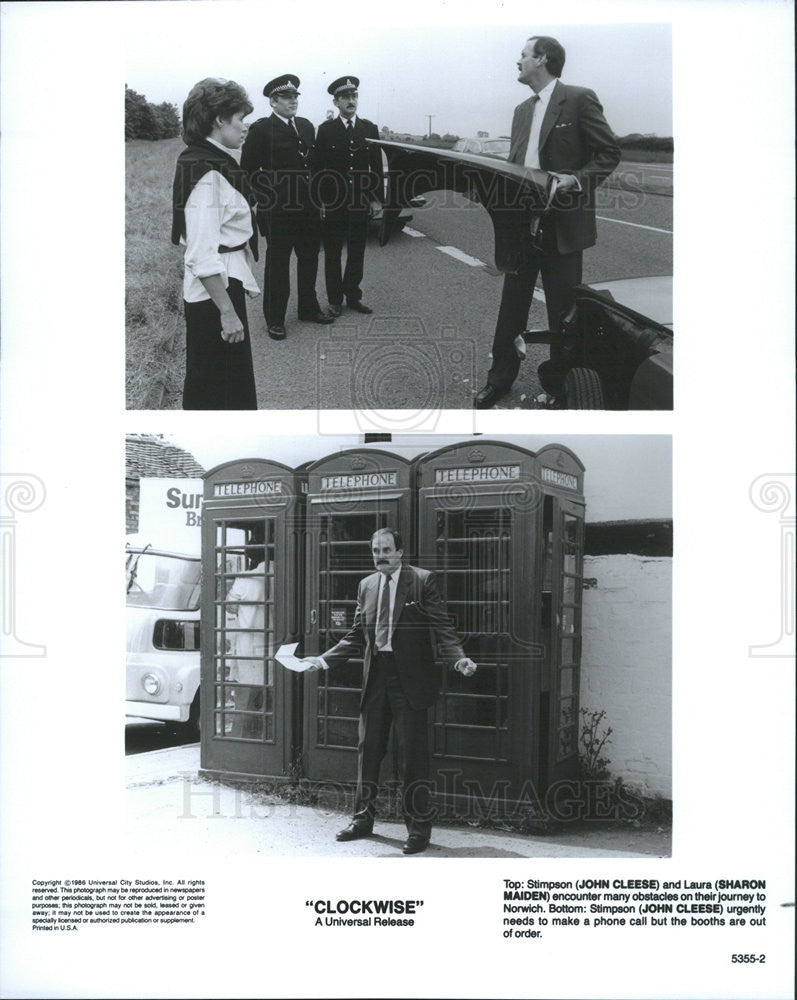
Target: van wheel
column 192, row 729
column 583, row 390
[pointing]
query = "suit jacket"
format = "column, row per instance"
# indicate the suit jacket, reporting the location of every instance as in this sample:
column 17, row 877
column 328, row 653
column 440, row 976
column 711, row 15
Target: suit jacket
column 575, row 139
column 348, row 169
column 277, row 161
column 420, row 627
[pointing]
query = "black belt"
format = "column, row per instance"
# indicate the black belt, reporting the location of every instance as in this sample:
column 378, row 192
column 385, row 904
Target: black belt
column 223, row 249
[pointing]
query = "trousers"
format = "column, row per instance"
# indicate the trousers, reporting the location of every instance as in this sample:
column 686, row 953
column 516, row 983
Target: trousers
column 384, row 703
column 560, row 273
column 286, row 233
column 349, row 229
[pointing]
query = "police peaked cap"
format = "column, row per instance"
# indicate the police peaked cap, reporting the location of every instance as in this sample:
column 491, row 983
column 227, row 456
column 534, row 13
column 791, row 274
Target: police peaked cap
column 282, row 84
column 343, row 83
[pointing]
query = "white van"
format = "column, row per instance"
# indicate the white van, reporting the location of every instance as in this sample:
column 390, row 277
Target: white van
column 163, row 590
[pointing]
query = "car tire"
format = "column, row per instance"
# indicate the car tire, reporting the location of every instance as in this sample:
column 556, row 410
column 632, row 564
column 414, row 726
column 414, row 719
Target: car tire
column 583, row 390
column 192, row 728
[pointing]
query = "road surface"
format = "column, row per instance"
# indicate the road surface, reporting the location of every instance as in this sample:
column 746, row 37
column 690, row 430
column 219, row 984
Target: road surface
column 435, row 294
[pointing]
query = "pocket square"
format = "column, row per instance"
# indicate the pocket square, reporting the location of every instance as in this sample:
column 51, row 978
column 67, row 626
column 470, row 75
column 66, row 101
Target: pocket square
column 563, row 125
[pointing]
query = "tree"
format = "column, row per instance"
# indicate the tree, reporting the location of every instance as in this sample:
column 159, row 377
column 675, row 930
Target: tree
column 169, row 120
column 149, row 121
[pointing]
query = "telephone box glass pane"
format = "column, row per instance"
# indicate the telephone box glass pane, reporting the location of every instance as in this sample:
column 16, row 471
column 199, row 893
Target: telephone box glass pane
column 344, row 558
column 472, row 550
column 244, row 626
column 565, row 718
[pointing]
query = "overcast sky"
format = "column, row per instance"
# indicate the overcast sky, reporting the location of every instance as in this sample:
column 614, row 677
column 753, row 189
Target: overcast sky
column 626, row 475
column 465, row 75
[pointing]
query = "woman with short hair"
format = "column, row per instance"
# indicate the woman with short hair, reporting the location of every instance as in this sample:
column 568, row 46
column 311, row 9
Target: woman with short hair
column 212, row 218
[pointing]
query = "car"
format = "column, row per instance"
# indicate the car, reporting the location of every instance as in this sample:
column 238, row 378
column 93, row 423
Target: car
column 616, row 341
column 162, row 670
column 616, row 348
column 497, row 148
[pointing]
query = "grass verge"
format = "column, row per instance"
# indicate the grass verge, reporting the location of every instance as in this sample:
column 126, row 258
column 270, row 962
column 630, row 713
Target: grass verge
column 154, row 323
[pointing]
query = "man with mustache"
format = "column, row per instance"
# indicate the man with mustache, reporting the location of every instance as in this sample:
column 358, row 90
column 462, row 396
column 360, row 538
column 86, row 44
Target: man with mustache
column 560, row 129
column 349, row 179
column 399, row 621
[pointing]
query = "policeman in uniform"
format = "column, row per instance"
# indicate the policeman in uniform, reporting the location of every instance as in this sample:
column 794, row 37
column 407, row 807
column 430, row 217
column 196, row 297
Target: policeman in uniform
column 276, row 155
column 349, row 180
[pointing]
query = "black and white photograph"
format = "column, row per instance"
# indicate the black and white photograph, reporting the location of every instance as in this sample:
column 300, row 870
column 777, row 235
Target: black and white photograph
column 523, row 660
column 402, row 248
column 415, row 679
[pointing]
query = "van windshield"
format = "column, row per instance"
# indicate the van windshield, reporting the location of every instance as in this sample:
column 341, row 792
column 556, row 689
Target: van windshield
column 155, row 580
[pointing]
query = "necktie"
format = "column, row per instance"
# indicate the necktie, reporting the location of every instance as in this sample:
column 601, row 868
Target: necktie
column 302, row 150
column 383, row 618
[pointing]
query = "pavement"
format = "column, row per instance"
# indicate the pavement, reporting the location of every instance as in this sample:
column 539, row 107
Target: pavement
column 168, row 801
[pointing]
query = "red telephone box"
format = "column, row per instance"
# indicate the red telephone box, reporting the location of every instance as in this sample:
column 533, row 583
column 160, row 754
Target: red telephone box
column 503, row 529
column 252, row 530
column 350, row 495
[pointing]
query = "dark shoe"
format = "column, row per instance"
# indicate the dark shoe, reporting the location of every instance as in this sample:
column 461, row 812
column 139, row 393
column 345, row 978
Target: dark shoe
column 358, row 307
column 277, row 332
column 317, row 317
column 334, row 310
column 354, row 831
column 487, row 397
column 415, row 843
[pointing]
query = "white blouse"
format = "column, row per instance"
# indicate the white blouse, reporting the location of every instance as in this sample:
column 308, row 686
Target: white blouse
column 216, row 214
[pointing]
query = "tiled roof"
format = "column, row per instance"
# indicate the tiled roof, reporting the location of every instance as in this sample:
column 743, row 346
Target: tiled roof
column 148, row 455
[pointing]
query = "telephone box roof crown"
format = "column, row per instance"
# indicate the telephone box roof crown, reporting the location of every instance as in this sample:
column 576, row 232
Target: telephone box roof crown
column 285, row 84
column 343, row 83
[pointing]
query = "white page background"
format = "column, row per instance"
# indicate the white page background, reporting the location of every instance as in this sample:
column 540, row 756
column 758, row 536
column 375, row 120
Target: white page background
column 63, row 421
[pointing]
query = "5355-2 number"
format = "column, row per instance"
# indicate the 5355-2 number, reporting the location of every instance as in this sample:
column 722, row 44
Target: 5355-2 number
column 749, row 958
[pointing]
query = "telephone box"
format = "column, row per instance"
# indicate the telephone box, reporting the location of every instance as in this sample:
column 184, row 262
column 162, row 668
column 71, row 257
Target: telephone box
column 503, row 529
column 252, row 519
column 350, row 495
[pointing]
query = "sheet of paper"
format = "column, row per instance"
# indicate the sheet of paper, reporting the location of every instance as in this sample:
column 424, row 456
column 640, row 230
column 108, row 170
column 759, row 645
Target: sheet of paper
column 285, row 656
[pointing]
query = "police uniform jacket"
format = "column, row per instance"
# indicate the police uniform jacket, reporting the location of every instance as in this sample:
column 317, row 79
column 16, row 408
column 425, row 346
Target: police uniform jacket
column 348, row 170
column 277, row 161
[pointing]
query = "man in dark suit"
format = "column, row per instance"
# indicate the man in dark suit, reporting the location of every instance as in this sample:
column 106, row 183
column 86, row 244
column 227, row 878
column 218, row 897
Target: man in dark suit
column 400, row 619
column 560, row 129
column 349, row 180
column 276, row 155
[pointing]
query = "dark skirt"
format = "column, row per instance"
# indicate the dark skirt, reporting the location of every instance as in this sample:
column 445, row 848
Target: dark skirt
column 218, row 375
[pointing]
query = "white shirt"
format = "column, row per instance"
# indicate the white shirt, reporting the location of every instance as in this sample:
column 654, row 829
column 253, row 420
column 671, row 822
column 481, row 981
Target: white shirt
column 345, row 121
column 388, row 647
column 216, row 214
column 533, row 149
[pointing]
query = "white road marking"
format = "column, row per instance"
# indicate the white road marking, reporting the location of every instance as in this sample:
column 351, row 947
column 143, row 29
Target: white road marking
column 636, row 225
column 538, row 293
column 464, row 257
